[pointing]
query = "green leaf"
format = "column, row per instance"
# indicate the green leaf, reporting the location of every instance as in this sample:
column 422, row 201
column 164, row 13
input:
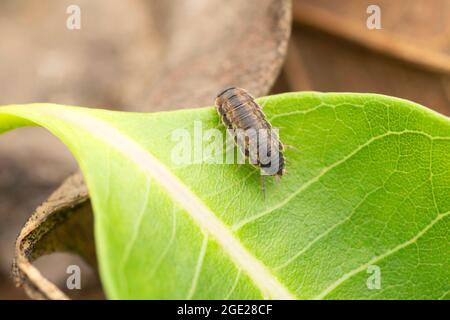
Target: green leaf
column 367, row 188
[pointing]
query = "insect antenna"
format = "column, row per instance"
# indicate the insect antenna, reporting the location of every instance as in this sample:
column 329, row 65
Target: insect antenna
column 277, row 179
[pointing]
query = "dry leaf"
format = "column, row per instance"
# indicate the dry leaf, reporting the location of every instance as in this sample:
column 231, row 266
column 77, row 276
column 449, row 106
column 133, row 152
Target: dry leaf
column 414, row 31
column 325, row 56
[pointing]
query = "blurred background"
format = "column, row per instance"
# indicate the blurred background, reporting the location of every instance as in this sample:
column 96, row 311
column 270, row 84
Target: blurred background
column 156, row 55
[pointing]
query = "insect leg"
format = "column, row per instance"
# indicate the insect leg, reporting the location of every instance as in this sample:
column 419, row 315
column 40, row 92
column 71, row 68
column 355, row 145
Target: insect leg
column 219, row 123
column 288, row 146
column 263, row 185
column 264, row 104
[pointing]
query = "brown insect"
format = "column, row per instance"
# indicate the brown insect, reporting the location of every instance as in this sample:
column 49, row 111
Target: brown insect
column 239, row 111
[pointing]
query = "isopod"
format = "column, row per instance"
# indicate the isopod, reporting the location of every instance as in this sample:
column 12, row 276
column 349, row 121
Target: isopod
column 238, row 110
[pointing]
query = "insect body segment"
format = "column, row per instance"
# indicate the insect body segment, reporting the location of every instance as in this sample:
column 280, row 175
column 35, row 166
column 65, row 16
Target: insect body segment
column 240, row 112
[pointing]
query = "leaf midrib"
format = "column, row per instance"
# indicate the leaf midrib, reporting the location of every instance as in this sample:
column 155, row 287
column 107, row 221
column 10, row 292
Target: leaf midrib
column 260, row 275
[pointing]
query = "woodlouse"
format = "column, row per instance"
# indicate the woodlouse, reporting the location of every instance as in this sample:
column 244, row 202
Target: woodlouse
column 239, row 111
